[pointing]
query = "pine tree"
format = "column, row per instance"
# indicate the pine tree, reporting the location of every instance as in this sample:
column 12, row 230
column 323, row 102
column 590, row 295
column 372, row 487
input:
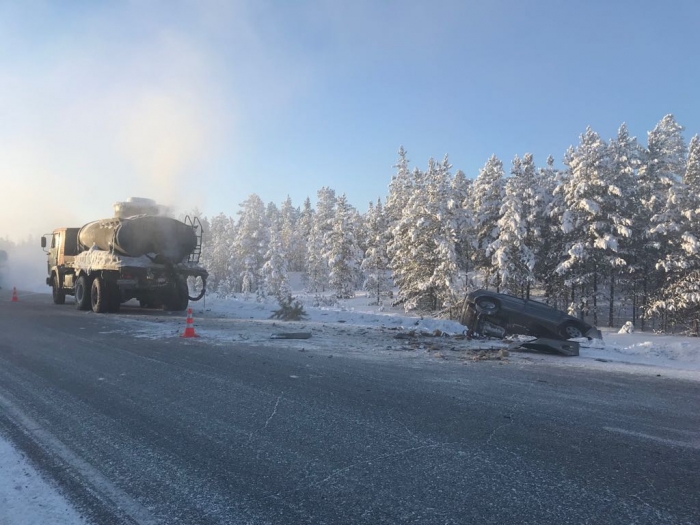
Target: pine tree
column 251, row 241
column 291, row 236
column 678, row 300
column 459, row 194
column 218, row 255
column 305, row 225
column 274, row 271
column 317, row 270
column 551, row 252
column 484, row 207
column 659, row 175
column 621, row 207
column 342, row 251
column 400, row 189
column 515, row 249
column 589, row 232
column 375, row 264
column 422, row 249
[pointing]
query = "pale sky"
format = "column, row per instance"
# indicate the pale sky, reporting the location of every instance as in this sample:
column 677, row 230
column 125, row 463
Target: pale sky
column 201, row 103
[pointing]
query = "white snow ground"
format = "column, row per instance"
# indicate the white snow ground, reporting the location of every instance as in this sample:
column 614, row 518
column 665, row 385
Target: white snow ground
column 348, row 327
column 356, row 327
column 26, row 498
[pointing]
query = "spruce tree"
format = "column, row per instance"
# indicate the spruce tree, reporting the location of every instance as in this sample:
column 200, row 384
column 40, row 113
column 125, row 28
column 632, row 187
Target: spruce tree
column 342, row 251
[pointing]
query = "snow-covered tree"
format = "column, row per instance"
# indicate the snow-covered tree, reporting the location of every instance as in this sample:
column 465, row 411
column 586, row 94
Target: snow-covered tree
column 550, row 252
column 422, row 250
column 400, row 189
column 679, row 296
column 588, row 231
column 251, row 241
column 342, row 252
column 459, row 194
column 274, row 271
column 293, row 243
column 218, row 255
column 484, row 207
column 620, row 206
column 317, row 271
column 514, row 250
column 375, row 264
column 662, row 170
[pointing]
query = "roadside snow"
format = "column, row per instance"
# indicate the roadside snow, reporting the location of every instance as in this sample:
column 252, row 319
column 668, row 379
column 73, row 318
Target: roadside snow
column 356, row 327
column 26, row 498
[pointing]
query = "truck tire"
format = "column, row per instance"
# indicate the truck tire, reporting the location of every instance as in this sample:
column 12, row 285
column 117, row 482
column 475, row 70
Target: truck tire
column 82, row 293
column 58, row 293
column 99, row 297
column 177, row 298
column 114, row 297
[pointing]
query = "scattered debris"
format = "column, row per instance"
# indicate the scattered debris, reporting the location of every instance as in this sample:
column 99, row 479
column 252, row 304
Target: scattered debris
column 544, row 344
column 291, row 335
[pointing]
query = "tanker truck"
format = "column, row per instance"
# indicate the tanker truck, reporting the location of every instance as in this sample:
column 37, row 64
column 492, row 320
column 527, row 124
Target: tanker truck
column 137, row 254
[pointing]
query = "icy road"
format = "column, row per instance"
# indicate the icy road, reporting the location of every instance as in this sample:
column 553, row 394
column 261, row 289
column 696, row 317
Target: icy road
column 158, row 429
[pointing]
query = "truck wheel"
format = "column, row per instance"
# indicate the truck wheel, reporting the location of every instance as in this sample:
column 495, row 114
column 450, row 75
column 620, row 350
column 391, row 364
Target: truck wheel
column 182, row 294
column 114, row 297
column 82, row 293
column 99, row 299
column 58, row 293
column 177, row 297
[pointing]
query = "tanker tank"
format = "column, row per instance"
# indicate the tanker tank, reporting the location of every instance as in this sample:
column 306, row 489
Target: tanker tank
column 164, row 239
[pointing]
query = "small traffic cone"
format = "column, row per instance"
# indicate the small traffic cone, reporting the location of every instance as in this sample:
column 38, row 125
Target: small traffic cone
column 15, row 299
column 189, row 328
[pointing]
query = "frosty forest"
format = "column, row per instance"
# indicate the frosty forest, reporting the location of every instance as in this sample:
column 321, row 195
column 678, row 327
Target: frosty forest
column 612, row 237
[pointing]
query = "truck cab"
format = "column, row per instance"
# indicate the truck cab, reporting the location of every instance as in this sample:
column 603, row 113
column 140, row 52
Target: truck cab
column 62, row 249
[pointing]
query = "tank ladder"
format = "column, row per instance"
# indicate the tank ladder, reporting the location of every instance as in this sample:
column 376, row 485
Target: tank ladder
column 196, row 225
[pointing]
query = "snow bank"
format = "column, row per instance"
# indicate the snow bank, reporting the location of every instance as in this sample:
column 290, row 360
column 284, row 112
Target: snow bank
column 24, row 495
column 357, row 327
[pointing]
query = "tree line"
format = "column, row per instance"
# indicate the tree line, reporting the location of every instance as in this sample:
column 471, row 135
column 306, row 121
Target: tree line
column 612, row 236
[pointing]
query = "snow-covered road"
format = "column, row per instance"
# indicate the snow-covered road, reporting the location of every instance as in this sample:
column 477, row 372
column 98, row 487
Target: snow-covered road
column 153, row 413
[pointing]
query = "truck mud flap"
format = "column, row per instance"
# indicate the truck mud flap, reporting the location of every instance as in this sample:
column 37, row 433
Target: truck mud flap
column 543, row 344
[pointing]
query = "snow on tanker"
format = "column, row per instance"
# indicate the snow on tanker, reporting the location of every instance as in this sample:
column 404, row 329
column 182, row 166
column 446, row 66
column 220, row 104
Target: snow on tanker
column 137, row 254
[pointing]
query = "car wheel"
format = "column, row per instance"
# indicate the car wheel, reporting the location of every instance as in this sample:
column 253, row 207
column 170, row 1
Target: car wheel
column 570, row 331
column 99, row 299
column 82, row 293
column 487, row 305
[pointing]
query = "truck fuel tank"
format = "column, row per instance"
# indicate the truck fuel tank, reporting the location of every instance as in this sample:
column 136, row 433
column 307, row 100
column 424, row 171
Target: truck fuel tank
column 167, row 240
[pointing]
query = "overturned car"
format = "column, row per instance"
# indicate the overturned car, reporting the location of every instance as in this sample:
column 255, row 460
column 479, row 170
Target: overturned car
column 491, row 314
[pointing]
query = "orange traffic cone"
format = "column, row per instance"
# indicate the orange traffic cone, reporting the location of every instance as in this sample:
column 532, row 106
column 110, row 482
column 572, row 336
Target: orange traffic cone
column 15, row 299
column 189, row 328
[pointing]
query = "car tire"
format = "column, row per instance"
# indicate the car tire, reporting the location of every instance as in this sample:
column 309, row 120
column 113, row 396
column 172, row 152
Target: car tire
column 570, row 331
column 82, row 293
column 99, row 297
column 58, row 293
column 487, row 305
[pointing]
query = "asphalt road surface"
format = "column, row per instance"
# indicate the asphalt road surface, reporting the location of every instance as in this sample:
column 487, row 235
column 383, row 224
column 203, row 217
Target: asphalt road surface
column 179, row 431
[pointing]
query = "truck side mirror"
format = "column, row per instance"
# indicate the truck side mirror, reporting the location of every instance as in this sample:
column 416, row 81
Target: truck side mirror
column 43, row 242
